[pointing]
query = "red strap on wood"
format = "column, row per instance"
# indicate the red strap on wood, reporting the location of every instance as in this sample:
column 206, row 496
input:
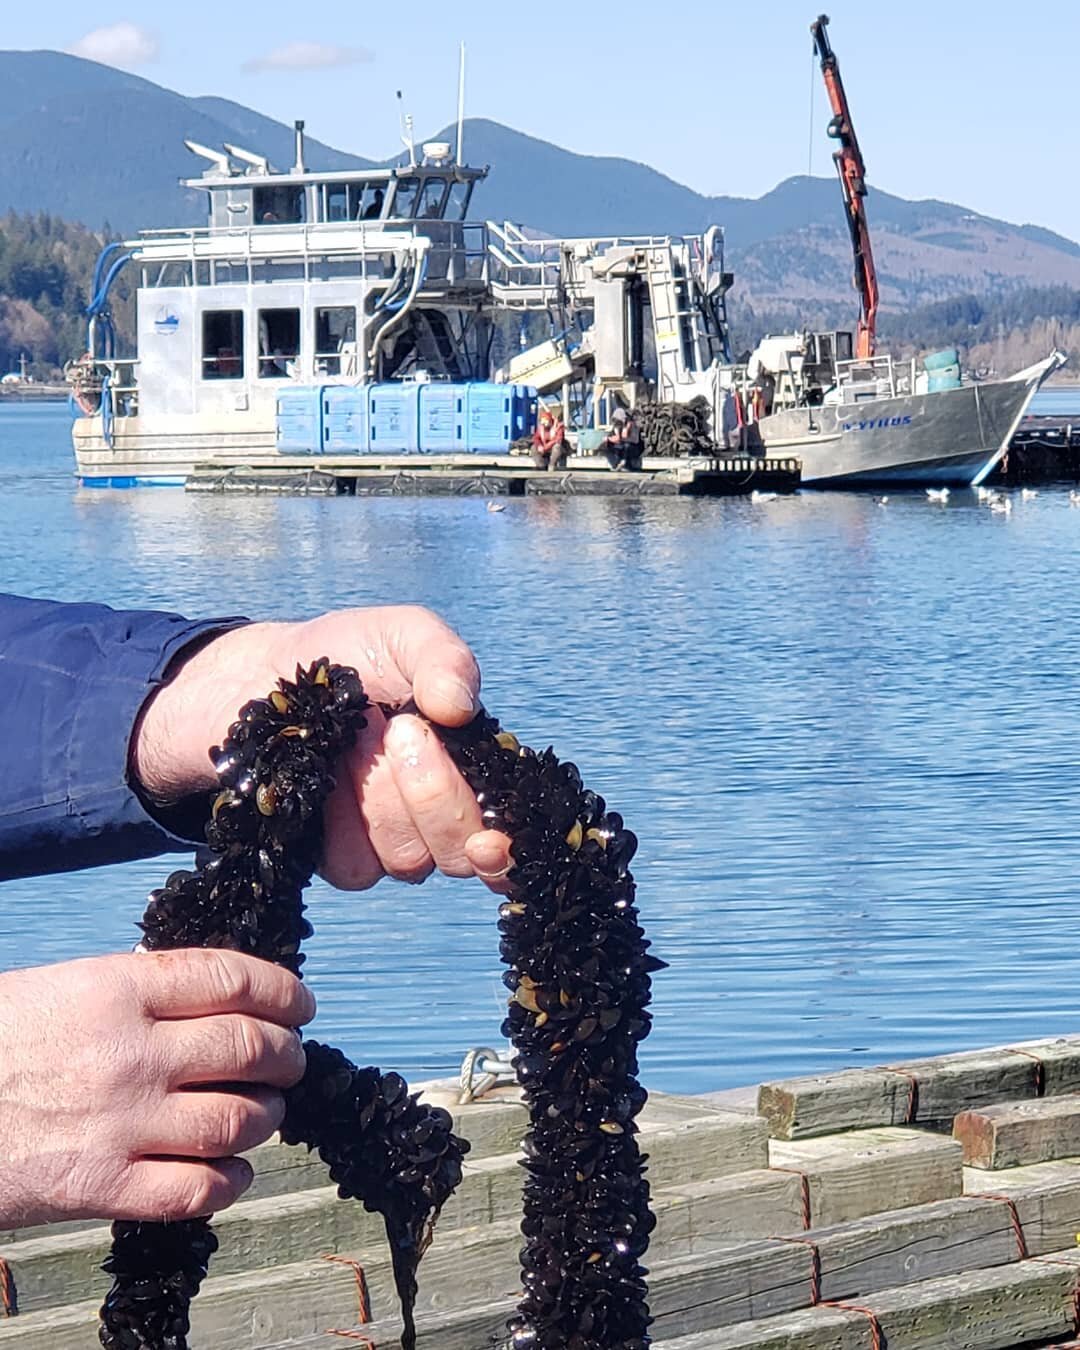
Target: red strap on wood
column 1040, row 1069
column 363, row 1300
column 805, row 1190
column 7, row 1290
column 877, row 1339
column 815, row 1264
column 1014, row 1218
column 913, row 1092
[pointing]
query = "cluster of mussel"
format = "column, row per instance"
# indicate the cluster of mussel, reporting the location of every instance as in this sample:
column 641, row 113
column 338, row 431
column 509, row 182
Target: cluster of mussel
column 579, row 971
column 382, row 1146
column 676, row 428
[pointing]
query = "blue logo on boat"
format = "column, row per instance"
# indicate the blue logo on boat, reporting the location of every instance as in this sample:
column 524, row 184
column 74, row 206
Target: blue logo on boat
column 166, row 320
column 877, row 423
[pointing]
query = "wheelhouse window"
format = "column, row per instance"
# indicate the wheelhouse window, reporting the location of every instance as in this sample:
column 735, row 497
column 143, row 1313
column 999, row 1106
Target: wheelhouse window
column 279, row 205
column 353, row 201
column 335, row 340
column 430, row 205
column 458, row 201
column 404, row 203
column 279, row 342
column 223, row 344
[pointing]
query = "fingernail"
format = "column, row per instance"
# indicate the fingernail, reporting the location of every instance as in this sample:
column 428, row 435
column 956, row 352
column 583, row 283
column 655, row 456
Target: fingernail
column 309, row 1003
column 456, row 693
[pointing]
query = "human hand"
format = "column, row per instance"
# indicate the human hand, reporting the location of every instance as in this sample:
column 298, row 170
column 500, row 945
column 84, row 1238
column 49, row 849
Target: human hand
column 400, row 808
column 129, row 1083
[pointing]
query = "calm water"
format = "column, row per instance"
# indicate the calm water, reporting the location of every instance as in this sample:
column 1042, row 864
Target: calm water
column 847, row 735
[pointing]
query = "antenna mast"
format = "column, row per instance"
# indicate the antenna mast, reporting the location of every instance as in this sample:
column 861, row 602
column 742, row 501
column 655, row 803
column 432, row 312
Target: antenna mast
column 407, row 132
column 461, row 104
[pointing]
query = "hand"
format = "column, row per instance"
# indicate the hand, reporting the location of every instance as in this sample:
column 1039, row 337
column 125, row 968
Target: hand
column 400, row 808
column 98, row 1113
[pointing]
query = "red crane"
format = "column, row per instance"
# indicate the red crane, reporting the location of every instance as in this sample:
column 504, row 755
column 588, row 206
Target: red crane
column 852, row 171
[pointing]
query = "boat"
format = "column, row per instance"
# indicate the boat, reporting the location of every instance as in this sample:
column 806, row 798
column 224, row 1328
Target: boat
column 321, row 316
column 855, row 416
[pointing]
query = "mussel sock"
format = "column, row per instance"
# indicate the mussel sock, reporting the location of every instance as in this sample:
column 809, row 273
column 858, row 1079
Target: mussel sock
column 275, row 771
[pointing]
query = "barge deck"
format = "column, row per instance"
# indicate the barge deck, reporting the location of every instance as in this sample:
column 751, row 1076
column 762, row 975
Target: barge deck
column 495, row 476
column 926, row 1205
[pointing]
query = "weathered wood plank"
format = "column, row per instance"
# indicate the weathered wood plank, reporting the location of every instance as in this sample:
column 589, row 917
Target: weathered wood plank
column 810, row 1329
column 911, row 1245
column 297, row 1226
column 870, row 1171
column 1014, row 1134
column 1060, row 1059
column 990, row 1309
column 943, row 1086
column 1046, row 1196
column 981, row 1310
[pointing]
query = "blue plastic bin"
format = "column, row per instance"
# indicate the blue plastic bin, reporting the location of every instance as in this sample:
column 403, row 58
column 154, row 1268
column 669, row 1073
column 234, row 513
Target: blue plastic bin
column 442, row 418
column 393, row 414
column 298, row 421
column 345, row 419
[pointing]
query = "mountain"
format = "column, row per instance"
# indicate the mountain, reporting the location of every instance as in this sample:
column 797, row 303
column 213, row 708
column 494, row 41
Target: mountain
column 89, row 143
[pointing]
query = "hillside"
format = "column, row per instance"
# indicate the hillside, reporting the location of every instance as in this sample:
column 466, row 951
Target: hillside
column 87, row 143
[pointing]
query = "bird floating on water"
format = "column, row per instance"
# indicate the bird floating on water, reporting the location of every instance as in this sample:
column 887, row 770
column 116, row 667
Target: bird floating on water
column 984, row 493
column 757, row 496
column 1026, row 494
column 1001, row 506
column 496, row 506
column 1074, row 497
column 882, row 501
column 937, row 494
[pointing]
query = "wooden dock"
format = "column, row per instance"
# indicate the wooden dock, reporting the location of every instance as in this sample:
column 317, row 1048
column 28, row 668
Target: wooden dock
column 494, row 476
column 927, row 1205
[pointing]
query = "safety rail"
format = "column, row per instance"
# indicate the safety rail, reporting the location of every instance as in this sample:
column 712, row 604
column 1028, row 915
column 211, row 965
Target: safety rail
column 874, row 377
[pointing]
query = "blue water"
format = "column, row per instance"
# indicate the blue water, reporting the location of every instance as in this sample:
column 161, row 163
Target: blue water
column 847, row 735
column 1062, row 401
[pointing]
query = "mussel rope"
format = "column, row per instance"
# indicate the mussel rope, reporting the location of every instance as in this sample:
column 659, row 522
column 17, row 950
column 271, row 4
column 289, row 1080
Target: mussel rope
column 579, row 971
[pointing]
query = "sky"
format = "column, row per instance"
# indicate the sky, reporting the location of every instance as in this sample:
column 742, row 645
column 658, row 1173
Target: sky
column 971, row 103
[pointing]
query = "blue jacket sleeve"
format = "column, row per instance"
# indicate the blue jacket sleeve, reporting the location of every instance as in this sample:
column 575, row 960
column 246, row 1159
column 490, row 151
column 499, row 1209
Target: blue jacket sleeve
column 73, row 678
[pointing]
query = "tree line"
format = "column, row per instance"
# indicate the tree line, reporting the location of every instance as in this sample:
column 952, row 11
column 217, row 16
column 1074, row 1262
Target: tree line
column 46, row 267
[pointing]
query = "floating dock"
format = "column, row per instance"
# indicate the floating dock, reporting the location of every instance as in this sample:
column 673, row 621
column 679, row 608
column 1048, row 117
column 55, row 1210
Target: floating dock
column 465, row 475
column 927, row 1205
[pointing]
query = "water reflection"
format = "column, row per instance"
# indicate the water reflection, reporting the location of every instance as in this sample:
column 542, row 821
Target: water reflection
column 845, row 734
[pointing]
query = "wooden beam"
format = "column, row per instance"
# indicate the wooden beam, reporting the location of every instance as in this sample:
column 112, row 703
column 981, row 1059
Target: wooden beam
column 928, row 1092
column 1013, row 1134
column 868, row 1171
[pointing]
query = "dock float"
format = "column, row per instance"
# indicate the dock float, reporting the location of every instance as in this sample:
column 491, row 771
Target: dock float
column 468, row 475
column 924, row 1205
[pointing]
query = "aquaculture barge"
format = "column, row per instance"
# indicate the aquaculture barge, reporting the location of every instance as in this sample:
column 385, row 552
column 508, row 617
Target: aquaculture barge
column 926, row 1205
column 496, row 477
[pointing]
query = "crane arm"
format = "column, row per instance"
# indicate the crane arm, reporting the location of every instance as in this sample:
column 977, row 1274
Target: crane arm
column 852, row 172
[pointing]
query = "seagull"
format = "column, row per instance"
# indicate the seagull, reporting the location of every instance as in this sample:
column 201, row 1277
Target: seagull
column 937, row 494
column 1074, row 497
column 1001, row 506
column 882, row 501
column 984, row 493
column 757, row 496
column 1026, row 494
column 496, row 506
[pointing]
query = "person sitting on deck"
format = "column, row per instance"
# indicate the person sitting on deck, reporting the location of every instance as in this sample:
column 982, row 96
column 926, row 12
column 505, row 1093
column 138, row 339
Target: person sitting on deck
column 549, row 440
column 623, row 444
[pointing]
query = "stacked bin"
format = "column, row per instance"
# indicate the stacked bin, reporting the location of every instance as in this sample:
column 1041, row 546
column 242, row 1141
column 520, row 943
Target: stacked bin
column 943, row 370
column 442, row 418
column 298, row 422
column 345, row 419
column 403, row 418
column 393, row 415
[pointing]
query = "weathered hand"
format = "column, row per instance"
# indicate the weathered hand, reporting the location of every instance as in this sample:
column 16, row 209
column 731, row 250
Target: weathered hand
column 400, row 808
column 99, row 1112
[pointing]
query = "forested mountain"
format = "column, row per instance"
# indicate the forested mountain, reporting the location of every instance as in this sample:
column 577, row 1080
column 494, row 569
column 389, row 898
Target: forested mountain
column 83, row 142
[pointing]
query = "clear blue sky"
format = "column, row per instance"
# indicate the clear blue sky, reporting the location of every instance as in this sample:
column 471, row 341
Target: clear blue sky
column 974, row 103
